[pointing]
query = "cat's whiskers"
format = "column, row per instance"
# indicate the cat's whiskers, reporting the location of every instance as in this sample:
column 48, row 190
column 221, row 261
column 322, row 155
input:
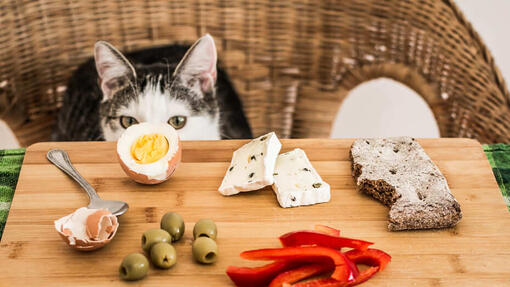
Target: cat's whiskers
column 225, row 136
column 97, row 138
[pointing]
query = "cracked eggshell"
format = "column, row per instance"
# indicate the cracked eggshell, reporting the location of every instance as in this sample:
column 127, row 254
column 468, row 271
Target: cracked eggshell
column 158, row 171
column 87, row 229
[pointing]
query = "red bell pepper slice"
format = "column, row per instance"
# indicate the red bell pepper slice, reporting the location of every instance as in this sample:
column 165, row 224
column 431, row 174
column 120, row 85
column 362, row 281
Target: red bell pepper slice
column 370, row 257
column 299, row 238
column 323, row 282
column 327, row 230
column 365, row 275
column 330, row 282
column 258, row 276
column 375, row 258
column 345, row 270
column 300, row 273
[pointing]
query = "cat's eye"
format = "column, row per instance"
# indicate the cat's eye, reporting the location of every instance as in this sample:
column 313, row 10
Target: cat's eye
column 178, row 122
column 126, row 121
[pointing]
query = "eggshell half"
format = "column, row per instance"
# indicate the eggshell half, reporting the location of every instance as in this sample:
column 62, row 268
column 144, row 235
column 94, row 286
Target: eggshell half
column 152, row 173
column 100, row 224
column 87, row 221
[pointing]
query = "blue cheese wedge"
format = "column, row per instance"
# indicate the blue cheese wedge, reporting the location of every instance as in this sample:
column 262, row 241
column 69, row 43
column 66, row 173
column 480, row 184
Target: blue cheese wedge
column 296, row 182
column 252, row 165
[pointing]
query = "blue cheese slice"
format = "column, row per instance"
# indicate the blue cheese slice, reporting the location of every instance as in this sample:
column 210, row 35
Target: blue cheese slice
column 296, row 182
column 252, row 165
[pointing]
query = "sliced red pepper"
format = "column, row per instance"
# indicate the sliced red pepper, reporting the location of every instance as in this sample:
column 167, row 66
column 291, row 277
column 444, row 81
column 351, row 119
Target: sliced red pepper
column 351, row 266
column 300, row 273
column 323, row 282
column 375, row 258
column 258, row 276
column 365, row 275
column 370, row 257
column 344, row 270
column 327, row 230
column 299, row 238
column 330, row 282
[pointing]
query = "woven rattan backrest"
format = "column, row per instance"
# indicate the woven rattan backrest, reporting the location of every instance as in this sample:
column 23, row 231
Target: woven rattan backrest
column 291, row 61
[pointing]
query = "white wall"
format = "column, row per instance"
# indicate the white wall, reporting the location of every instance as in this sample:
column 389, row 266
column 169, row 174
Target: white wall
column 382, row 108
column 385, row 108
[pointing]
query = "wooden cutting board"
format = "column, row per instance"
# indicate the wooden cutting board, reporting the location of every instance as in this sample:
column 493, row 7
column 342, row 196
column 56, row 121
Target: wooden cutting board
column 476, row 252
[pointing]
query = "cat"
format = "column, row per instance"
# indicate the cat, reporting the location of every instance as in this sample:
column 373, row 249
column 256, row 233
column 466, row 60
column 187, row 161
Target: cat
column 109, row 93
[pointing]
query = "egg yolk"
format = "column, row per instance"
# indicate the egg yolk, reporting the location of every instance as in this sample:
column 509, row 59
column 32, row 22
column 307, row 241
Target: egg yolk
column 149, row 148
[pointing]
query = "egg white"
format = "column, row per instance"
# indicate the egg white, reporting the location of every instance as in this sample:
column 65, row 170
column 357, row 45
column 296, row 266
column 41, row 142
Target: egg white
column 156, row 170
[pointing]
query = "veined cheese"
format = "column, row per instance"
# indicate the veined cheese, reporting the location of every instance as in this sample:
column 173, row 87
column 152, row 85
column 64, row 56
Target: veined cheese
column 252, row 165
column 296, row 182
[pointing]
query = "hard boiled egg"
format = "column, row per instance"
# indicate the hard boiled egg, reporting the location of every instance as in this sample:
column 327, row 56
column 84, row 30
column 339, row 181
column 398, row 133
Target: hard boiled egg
column 149, row 153
column 87, row 229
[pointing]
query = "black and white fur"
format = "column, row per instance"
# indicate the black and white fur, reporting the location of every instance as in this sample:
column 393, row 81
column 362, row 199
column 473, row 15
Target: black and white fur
column 154, row 85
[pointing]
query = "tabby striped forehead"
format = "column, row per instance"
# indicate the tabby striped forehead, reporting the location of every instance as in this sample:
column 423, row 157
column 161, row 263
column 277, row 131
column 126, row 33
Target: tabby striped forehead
column 160, row 80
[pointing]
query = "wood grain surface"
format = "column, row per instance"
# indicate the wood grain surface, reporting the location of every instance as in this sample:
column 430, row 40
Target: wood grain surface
column 475, row 253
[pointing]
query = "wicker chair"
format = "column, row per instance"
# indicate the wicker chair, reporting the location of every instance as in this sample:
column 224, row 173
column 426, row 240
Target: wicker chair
column 291, row 61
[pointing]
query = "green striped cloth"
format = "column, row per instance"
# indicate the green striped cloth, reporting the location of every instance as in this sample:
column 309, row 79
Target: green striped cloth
column 499, row 158
column 11, row 160
column 10, row 164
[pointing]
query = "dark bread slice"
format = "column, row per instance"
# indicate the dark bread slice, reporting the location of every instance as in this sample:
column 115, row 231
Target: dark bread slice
column 398, row 172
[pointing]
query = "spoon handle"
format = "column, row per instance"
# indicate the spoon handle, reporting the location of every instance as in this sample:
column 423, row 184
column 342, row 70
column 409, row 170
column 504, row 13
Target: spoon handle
column 60, row 158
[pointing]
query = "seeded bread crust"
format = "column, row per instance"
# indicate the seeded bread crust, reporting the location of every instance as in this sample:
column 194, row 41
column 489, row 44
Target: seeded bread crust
column 398, row 173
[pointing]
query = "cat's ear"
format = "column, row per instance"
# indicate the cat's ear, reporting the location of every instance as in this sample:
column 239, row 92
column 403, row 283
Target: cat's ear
column 199, row 64
column 113, row 69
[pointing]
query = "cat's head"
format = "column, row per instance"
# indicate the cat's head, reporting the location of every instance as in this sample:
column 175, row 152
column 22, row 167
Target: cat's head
column 181, row 95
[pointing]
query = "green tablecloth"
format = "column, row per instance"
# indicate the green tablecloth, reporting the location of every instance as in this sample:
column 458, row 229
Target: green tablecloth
column 10, row 165
column 11, row 160
column 499, row 158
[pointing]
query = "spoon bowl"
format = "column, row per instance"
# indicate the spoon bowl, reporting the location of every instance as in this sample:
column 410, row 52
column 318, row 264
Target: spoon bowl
column 116, row 207
column 60, row 158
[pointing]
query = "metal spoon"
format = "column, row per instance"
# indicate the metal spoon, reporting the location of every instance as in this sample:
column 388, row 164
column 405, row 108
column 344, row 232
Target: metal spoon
column 60, row 158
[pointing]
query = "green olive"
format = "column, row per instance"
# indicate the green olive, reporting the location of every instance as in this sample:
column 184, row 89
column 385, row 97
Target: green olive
column 163, row 255
column 153, row 236
column 205, row 250
column 172, row 222
column 205, row 227
column 133, row 267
